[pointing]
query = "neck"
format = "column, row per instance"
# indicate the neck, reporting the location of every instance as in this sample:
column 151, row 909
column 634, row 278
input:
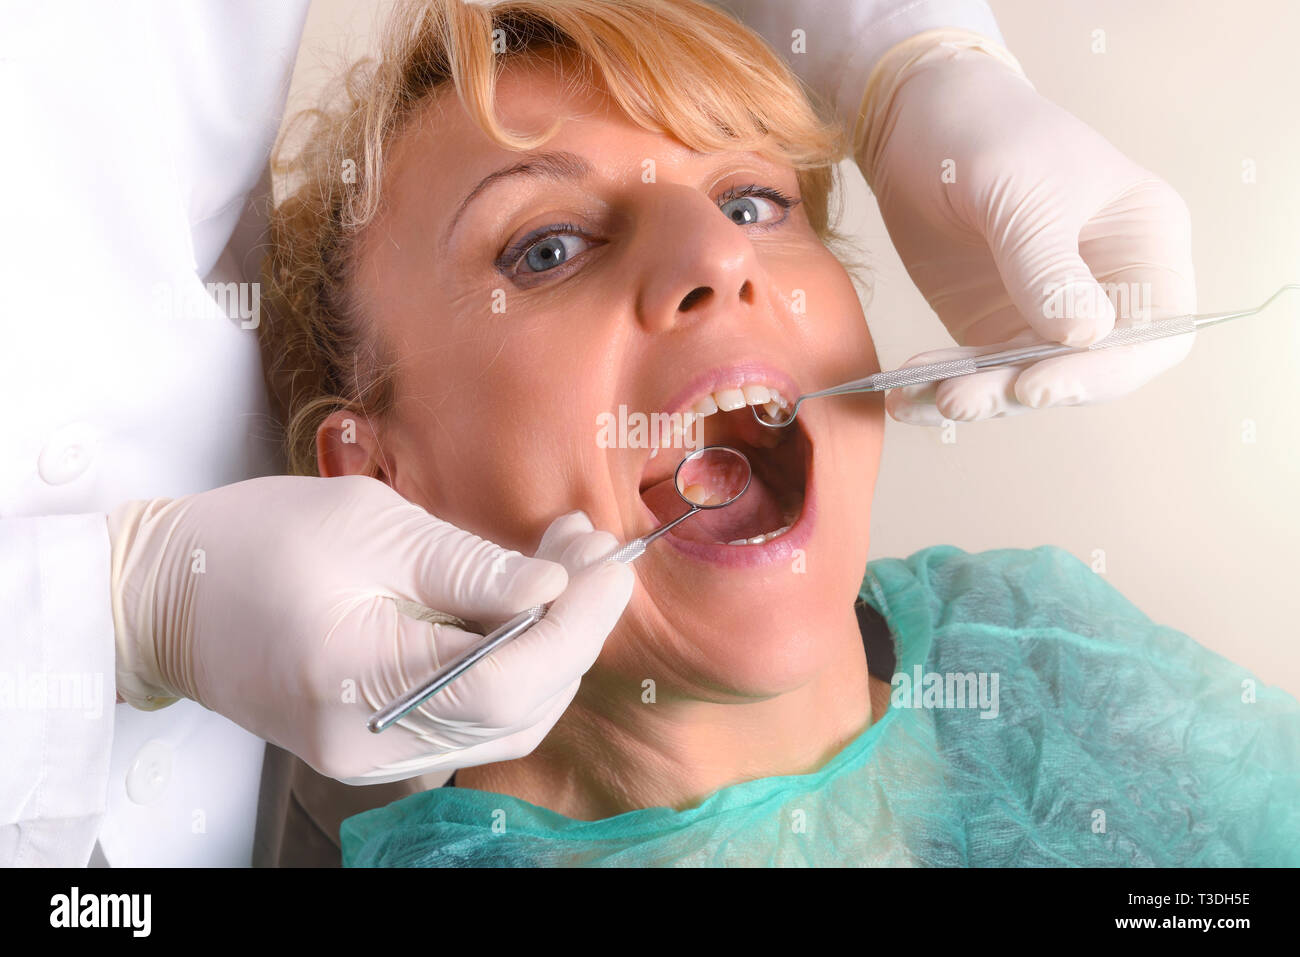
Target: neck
column 613, row 751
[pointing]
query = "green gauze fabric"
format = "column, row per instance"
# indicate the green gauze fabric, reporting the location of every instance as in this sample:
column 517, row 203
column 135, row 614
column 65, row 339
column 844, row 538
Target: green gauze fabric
column 1114, row 742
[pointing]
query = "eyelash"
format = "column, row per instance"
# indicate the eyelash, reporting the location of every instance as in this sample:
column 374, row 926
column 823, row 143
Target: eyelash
column 767, row 192
column 516, row 251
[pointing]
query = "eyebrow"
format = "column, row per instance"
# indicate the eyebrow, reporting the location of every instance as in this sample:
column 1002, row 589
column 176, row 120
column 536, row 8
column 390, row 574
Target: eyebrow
column 554, row 166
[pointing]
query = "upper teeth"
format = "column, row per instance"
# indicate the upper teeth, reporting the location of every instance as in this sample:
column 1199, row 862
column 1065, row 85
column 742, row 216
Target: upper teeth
column 728, row 400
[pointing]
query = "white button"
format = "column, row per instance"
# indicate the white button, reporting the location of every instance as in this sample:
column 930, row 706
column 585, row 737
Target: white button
column 67, row 454
column 150, row 772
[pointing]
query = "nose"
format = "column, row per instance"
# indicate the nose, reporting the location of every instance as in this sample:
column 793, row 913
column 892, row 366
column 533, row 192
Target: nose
column 699, row 264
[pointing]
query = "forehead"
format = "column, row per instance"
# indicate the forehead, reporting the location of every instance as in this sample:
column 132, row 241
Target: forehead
column 444, row 153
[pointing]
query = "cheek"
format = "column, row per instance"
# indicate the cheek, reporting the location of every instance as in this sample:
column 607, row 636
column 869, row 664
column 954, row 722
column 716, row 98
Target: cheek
column 493, row 458
column 497, row 415
column 819, row 296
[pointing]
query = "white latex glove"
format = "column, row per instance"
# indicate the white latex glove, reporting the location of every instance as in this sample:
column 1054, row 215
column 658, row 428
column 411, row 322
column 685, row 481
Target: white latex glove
column 1042, row 207
column 1039, row 200
column 271, row 602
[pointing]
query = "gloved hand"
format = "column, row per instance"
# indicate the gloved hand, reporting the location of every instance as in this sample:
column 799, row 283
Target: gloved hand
column 1007, row 252
column 1040, row 204
column 272, row 602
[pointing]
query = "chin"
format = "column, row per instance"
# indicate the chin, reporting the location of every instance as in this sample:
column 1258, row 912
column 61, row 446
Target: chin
column 771, row 635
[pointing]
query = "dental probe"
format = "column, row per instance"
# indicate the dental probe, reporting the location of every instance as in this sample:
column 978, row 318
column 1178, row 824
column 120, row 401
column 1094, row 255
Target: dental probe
column 950, row 368
column 730, row 464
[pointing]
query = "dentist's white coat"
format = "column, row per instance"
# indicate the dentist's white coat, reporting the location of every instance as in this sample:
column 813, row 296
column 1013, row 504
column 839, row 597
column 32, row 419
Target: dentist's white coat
column 134, row 135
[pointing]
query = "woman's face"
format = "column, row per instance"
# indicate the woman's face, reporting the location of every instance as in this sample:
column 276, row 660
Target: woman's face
column 621, row 275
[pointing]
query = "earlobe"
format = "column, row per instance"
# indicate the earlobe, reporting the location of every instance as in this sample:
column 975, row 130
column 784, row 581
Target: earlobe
column 346, row 445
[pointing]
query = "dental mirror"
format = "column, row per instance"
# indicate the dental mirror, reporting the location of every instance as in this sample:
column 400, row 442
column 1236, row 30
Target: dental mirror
column 708, row 478
column 712, row 477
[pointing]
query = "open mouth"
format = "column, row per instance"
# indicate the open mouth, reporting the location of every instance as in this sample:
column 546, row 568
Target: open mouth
column 780, row 461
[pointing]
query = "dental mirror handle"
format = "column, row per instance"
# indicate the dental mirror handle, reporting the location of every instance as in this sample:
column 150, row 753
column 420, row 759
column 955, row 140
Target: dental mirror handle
column 636, row 548
column 398, row 708
column 516, row 626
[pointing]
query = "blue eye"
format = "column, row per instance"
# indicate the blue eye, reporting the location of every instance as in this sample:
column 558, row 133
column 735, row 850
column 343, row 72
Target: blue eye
column 552, row 251
column 545, row 249
column 745, row 211
column 741, row 208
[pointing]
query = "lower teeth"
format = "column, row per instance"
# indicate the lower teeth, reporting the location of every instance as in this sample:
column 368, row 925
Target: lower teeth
column 760, row 539
column 791, row 516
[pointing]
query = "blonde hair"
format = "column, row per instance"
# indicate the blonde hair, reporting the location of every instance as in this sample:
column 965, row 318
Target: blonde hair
column 725, row 90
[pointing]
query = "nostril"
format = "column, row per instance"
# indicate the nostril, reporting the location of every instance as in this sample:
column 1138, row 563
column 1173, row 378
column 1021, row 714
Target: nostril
column 695, row 295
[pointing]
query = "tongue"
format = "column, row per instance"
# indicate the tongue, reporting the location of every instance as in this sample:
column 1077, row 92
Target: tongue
column 755, row 512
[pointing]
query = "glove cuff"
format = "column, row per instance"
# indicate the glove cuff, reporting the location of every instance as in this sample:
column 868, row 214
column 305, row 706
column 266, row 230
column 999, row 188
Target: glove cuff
column 139, row 680
column 871, row 128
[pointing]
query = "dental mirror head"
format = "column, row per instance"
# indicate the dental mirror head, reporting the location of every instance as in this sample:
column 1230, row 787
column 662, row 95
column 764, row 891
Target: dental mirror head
column 712, row 477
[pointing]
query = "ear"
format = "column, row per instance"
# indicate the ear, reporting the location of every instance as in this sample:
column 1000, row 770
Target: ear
column 347, row 445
